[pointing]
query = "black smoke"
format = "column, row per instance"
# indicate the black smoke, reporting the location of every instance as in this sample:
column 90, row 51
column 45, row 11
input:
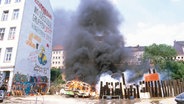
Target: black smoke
column 62, row 19
column 93, row 43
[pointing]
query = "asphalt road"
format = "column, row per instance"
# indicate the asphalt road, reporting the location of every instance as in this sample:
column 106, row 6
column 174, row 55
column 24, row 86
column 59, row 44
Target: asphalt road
column 57, row 99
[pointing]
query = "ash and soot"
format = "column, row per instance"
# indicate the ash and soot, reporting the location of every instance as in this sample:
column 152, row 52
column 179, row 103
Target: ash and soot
column 93, row 44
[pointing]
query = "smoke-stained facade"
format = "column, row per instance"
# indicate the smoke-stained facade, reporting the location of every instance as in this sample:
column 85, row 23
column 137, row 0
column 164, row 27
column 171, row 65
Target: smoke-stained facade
column 93, row 43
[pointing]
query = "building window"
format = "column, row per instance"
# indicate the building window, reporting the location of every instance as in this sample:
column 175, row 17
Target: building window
column 2, row 31
column 17, row 1
column 5, row 15
column 11, row 35
column 8, row 55
column 15, row 14
column 7, row 1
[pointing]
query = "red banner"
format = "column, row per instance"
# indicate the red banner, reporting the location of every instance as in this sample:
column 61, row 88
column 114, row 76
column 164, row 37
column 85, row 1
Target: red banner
column 151, row 77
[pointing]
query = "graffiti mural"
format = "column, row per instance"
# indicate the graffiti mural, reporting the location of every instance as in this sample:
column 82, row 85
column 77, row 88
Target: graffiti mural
column 29, row 85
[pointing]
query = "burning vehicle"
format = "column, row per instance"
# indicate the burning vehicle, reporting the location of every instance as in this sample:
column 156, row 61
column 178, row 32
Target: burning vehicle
column 78, row 89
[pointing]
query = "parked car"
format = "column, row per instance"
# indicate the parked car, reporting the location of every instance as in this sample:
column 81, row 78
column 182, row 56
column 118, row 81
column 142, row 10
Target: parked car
column 2, row 95
column 180, row 98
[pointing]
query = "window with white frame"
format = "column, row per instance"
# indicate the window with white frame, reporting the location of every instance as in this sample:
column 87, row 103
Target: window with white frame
column 5, row 15
column 2, row 31
column 17, row 1
column 7, row 1
column 11, row 35
column 15, row 14
column 8, row 55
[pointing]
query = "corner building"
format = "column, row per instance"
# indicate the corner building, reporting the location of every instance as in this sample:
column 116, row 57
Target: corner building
column 26, row 32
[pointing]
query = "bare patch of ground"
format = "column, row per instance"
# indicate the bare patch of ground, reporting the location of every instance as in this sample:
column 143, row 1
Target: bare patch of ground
column 57, row 99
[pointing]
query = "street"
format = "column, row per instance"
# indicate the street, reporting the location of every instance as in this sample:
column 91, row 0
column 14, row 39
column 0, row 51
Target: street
column 57, row 99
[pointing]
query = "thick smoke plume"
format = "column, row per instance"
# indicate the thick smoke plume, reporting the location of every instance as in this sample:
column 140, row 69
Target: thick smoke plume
column 62, row 19
column 93, row 44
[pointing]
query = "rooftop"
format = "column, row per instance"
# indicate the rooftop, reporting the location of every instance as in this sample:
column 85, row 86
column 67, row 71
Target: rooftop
column 57, row 48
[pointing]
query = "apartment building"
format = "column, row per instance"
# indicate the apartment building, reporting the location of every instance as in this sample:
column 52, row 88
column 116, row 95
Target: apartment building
column 57, row 57
column 135, row 54
column 26, row 32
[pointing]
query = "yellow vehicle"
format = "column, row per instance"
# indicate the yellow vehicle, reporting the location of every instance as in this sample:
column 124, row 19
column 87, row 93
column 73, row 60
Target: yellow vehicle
column 77, row 89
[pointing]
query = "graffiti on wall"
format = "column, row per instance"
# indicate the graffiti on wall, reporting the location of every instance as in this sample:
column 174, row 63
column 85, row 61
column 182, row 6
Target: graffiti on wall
column 29, row 85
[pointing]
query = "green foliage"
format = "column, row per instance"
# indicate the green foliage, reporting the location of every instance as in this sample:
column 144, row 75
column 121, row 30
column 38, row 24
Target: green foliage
column 55, row 72
column 159, row 54
column 56, row 76
column 177, row 69
column 56, row 80
column 160, row 50
column 59, row 80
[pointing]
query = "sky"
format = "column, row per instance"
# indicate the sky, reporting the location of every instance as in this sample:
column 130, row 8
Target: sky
column 144, row 21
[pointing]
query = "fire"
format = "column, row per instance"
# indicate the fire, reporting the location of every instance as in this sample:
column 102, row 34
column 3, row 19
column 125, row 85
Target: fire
column 79, row 89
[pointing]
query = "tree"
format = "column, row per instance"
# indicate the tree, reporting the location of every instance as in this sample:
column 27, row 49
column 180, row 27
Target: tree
column 159, row 55
column 177, row 69
column 55, row 72
column 56, row 80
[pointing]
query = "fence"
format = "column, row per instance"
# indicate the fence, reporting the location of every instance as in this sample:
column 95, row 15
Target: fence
column 166, row 88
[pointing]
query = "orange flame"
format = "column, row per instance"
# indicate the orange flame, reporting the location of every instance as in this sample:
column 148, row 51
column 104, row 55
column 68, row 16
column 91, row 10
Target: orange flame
column 82, row 88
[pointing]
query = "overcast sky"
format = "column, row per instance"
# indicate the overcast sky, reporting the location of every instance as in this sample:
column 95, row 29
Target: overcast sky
column 144, row 21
